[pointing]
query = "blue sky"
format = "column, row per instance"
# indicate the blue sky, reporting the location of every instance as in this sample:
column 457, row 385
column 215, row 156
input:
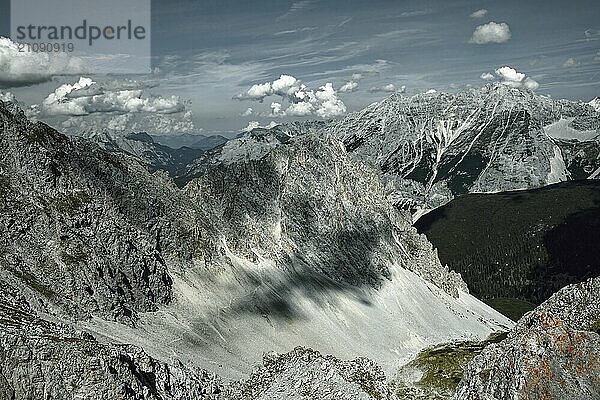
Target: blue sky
column 210, row 51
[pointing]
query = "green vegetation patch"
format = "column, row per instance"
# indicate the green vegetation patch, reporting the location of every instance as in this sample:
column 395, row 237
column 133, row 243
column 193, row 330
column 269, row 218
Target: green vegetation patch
column 440, row 368
column 522, row 245
column 596, row 327
column 512, row 308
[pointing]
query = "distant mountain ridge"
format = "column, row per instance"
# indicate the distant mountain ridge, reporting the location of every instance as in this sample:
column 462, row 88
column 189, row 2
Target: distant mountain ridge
column 435, row 146
column 439, row 145
column 143, row 146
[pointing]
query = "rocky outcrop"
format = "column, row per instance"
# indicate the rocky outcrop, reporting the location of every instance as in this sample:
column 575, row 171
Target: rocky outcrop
column 83, row 231
column 306, row 374
column 307, row 204
column 552, row 353
column 595, row 103
column 40, row 359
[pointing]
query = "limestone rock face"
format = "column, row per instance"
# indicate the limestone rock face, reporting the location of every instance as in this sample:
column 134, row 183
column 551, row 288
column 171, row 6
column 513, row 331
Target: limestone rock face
column 40, row 359
column 439, row 145
column 84, row 231
column 306, row 374
column 552, row 353
column 307, row 203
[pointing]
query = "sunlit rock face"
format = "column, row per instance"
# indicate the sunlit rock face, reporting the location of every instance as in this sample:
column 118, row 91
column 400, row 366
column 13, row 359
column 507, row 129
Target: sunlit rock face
column 439, row 145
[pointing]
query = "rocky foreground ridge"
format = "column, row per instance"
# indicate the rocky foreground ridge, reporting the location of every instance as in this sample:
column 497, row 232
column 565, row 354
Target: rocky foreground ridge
column 552, row 353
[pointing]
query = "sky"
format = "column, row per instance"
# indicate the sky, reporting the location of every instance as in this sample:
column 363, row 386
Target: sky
column 220, row 66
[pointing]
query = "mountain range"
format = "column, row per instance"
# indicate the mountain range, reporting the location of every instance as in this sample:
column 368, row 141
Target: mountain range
column 130, row 270
column 432, row 147
column 436, row 146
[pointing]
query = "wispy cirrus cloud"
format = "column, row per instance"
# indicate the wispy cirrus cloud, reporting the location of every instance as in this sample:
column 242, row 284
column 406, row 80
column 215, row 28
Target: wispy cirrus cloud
column 297, row 30
column 479, row 13
column 416, row 13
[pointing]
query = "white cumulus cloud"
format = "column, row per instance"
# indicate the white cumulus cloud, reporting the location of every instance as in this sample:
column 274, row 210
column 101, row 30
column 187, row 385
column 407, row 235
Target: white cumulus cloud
column 479, row 13
column 285, row 86
column 300, row 109
column 349, row 86
column 277, row 109
column 119, row 106
column 328, row 103
column 510, row 74
column 389, row 88
column 491, row 32
column 18, row 68
column 301, row 100
column 259, row 91
column 486, row 76
column 511, row 77
column 352, row 84
column 86, row 97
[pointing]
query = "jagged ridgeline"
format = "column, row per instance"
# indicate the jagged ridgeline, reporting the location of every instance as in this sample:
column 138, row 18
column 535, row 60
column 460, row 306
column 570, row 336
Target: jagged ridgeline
column 292, row 243
column 436, row 146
